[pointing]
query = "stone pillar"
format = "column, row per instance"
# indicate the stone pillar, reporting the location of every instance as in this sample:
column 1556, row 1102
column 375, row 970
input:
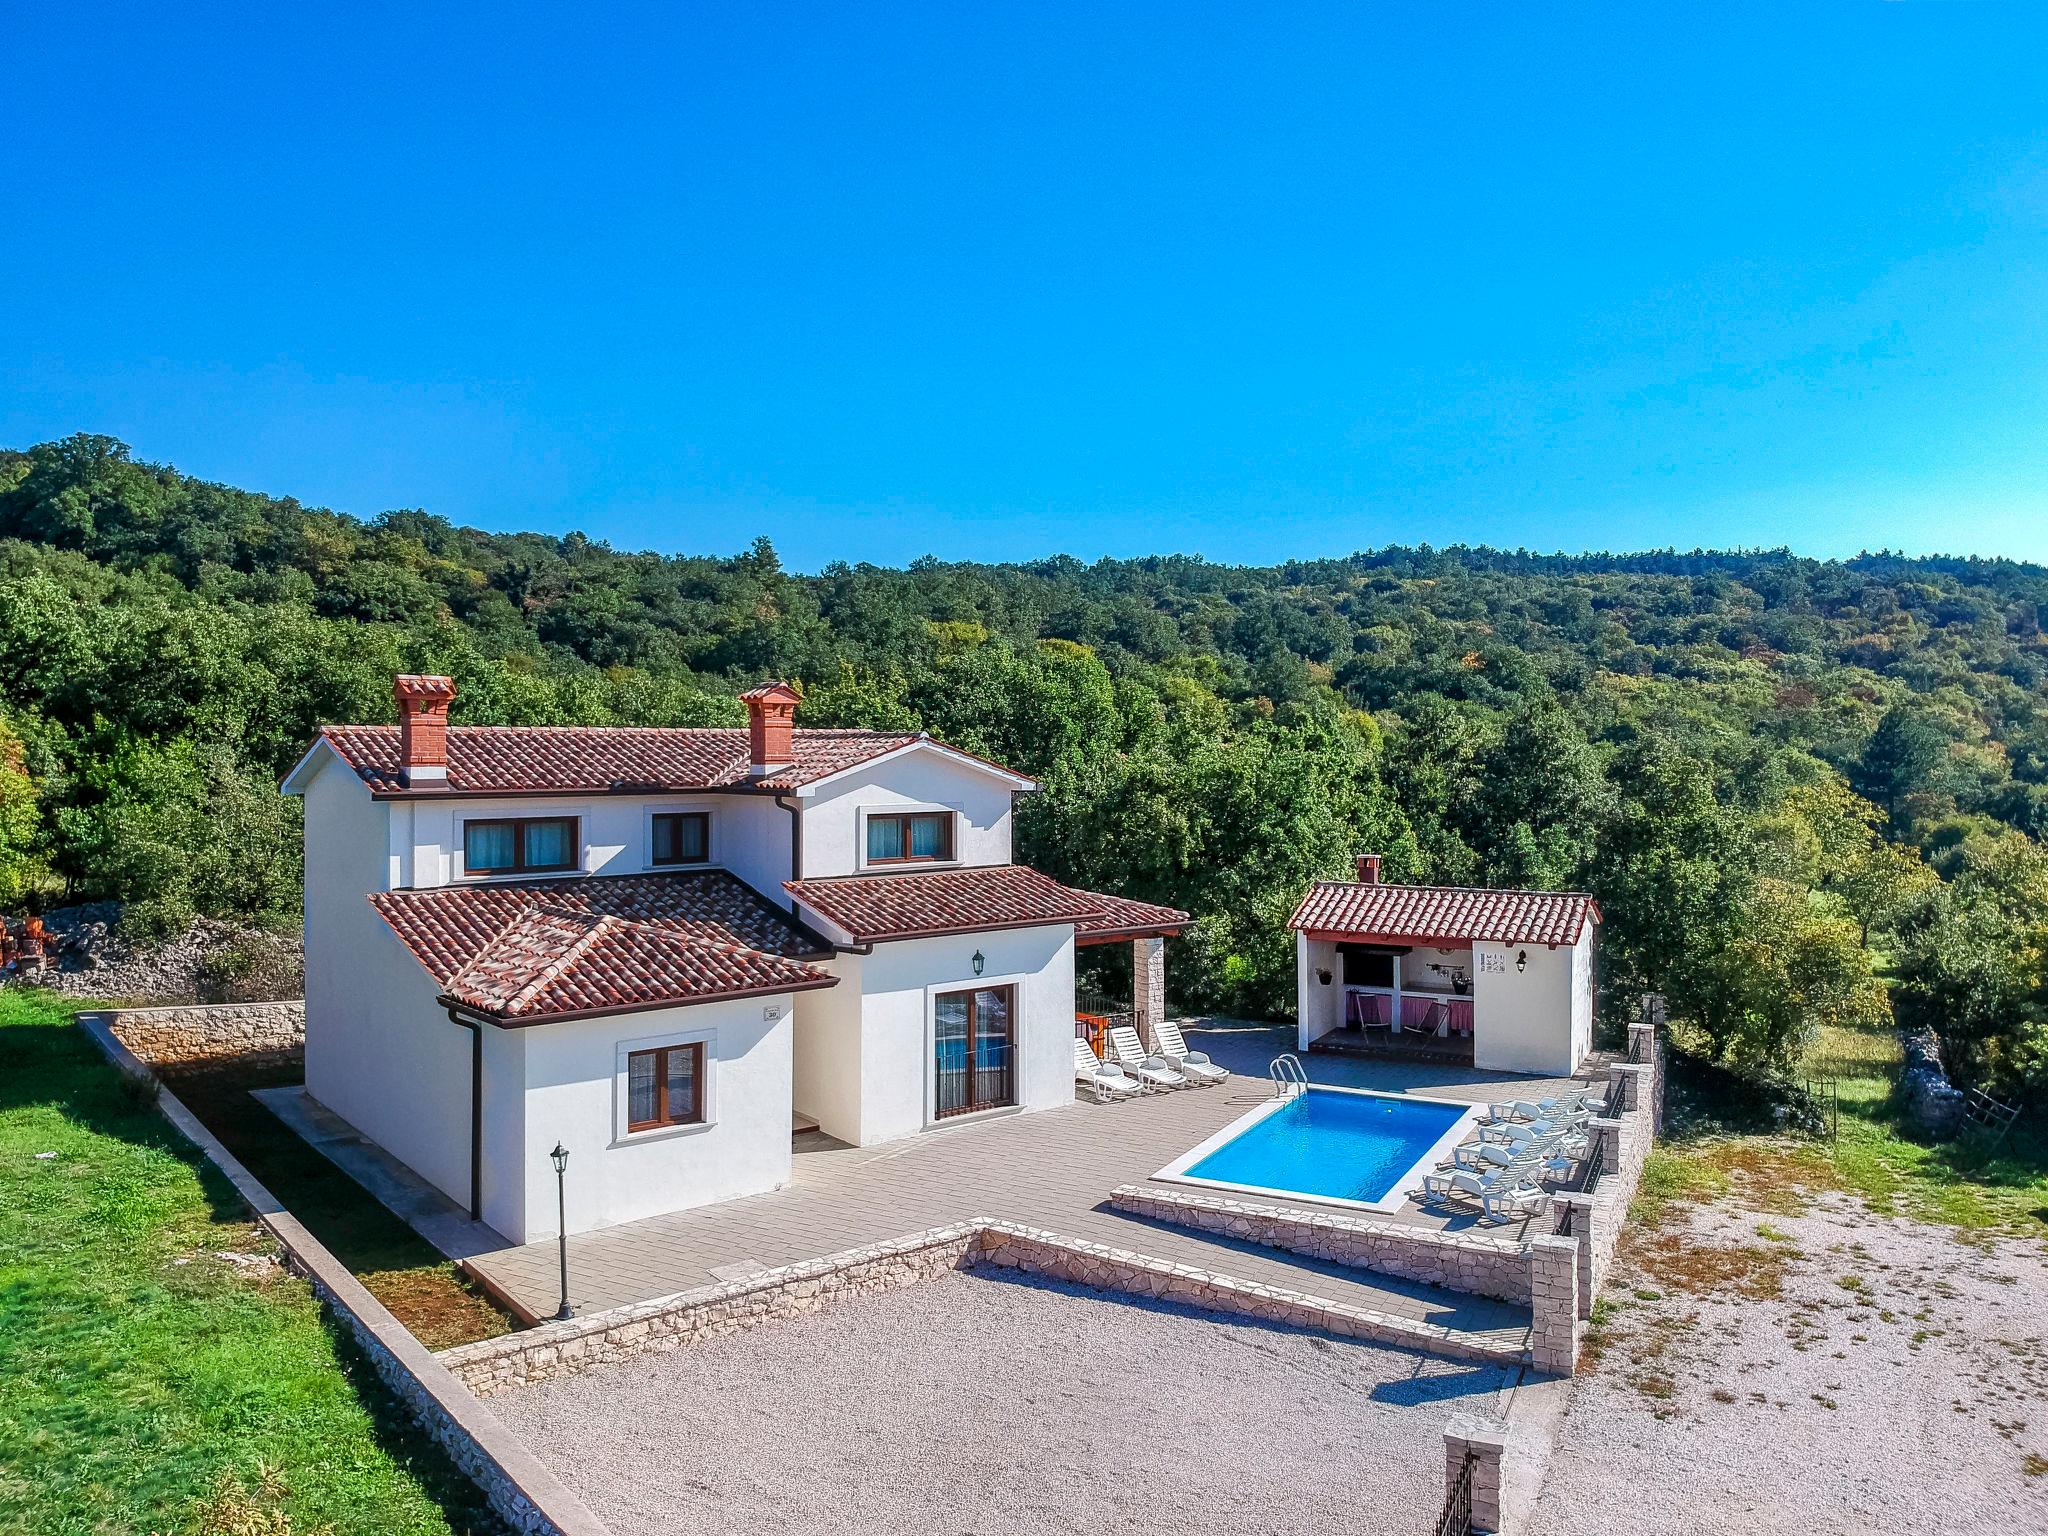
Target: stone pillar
column 1554, row 1304
column 1485, row 1441
column 1634, row 1080
column 1148, row 983
column 1642, row 1048
column 1610, row 1152
column 1582, row 1210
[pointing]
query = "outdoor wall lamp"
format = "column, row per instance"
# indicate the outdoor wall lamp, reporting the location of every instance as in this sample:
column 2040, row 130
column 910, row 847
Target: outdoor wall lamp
column 978, row 962
column 560, row 1157
column 1522, row 961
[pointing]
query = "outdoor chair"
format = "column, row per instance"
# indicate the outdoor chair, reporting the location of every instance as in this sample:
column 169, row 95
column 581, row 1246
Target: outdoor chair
column 1106, row 1081
column 1499, row 1194
column 1173, row 1047
column 1131, row 1056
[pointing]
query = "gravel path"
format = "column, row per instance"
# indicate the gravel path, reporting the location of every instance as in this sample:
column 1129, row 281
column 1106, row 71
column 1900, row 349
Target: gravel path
column 1827, row 1371
column 971, row 1405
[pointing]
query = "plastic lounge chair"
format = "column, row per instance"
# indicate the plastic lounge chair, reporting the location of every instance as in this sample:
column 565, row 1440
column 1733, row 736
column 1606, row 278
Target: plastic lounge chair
column 1495, row 1193
column 1482, row 1156
column 1105, row 1081
column 1542, row 1109
column 1172, row 1046
column 1131, row 1056
column 1529, row 1130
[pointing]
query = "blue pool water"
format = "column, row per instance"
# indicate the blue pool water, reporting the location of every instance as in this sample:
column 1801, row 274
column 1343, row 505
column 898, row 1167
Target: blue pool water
column 1342, row 1146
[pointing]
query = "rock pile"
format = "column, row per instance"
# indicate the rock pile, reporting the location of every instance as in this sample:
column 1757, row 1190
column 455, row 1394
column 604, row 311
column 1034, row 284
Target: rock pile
column 210, row 962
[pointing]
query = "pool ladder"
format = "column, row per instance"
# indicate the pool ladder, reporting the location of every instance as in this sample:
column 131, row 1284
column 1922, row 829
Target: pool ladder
column 1287, row 1075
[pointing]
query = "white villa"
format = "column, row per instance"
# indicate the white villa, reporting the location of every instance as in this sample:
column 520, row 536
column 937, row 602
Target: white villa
column 1500, row 979
column 666, row 950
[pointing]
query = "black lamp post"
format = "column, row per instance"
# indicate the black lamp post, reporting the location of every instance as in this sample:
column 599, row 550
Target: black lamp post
column 561, row 1158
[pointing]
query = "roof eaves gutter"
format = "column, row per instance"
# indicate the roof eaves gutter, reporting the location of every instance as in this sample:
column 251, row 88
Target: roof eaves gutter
column 775, row 989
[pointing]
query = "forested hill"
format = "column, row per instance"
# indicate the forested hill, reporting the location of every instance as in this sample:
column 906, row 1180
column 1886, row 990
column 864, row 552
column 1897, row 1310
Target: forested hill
column 1754, row 759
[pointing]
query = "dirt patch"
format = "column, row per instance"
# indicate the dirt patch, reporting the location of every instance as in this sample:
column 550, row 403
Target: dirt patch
column 1782, row 1359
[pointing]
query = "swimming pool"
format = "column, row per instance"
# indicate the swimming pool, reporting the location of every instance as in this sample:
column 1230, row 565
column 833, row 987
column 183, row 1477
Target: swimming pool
column 1332, row 1146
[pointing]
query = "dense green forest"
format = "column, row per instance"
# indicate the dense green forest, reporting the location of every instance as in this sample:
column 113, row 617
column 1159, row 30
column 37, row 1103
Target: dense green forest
column 1805, row 791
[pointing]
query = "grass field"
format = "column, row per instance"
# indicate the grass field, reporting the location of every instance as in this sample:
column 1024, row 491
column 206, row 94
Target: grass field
column 147, row 1383
column 1719, row 1131
column 396, row 1265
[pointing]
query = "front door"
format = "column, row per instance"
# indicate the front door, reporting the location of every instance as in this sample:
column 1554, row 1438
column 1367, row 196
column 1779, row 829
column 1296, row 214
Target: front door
column 974, row 1050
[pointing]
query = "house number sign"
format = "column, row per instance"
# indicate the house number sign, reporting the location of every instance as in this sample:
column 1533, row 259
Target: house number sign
column 1492, row 965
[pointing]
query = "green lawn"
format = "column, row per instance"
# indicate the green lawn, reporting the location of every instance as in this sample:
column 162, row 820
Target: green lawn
column 141, row 1378
column 1717, row 1134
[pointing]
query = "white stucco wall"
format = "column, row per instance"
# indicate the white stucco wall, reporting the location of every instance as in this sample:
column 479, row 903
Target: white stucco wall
column 898, row 982
column 1319, row 1008
column 1522, row 1020
column 835, row 841
column 826, row 1044
column 750, row 835
column 1582, row 994
column 380, row 1052
column 575, row 1093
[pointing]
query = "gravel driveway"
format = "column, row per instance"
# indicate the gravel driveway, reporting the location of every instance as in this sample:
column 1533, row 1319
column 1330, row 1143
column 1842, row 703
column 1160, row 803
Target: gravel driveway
column 1827, row 1371
column 992, row 1405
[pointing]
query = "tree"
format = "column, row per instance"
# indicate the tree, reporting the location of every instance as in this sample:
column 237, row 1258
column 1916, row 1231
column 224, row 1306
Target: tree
column 1973, row 966
column 21, row 862
column 1897, row 760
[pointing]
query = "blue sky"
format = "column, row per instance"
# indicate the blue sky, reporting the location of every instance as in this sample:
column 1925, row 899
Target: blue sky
column 996, row 282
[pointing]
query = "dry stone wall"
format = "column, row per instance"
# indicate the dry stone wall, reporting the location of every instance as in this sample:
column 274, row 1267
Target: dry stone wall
column 201, row 1034
column 1458, row 1261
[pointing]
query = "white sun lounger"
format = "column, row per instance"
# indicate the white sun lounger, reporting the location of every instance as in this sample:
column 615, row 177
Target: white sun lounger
column 1497, row 1194
column 1483, row 1156
column 1173, row 1046
column 1106, row 1081
column 1131, row 1056
column 1510, row 1110
column 1516, row 1131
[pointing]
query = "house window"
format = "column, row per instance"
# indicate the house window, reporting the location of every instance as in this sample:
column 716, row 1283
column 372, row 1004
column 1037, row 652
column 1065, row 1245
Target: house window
column 665, row 1087
column 523, row 846
column 922, row 836
column 973, row 1049
column 682, row 837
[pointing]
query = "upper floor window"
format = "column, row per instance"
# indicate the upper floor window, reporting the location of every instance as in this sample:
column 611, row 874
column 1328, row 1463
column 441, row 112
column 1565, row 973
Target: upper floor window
column 682, row 837
column 527, row 845
column 907, row 838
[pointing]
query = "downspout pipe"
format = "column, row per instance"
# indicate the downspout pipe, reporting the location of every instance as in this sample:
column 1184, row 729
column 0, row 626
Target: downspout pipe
column 796, row 835
column 476, row 1109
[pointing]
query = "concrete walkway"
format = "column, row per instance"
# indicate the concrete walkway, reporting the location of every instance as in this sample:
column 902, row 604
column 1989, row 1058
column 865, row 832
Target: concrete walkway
column 1051, row 1169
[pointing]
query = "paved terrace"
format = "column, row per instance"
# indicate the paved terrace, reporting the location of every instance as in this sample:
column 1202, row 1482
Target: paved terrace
column 1051, row 1169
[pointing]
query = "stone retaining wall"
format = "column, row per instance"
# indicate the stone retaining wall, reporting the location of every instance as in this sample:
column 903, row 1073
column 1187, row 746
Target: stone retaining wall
column 669, row 1322
column 523, row 1492
column 199, row 1034
column 1008, row 1245
column 1458, row 1261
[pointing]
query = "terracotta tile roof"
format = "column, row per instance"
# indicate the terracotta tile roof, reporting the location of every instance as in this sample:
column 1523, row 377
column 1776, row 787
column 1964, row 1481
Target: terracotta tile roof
column 528, row 951
column 1121, row 917
column 1445, row 912
column 915, row 903
column 529, row 759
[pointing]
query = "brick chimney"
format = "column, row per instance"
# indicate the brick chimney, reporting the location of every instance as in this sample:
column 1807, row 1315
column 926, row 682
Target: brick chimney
column 1368, row 869
column 771, row 718
column 423, row 728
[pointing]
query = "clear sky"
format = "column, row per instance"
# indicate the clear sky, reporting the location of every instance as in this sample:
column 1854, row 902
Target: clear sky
column 993, row 282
